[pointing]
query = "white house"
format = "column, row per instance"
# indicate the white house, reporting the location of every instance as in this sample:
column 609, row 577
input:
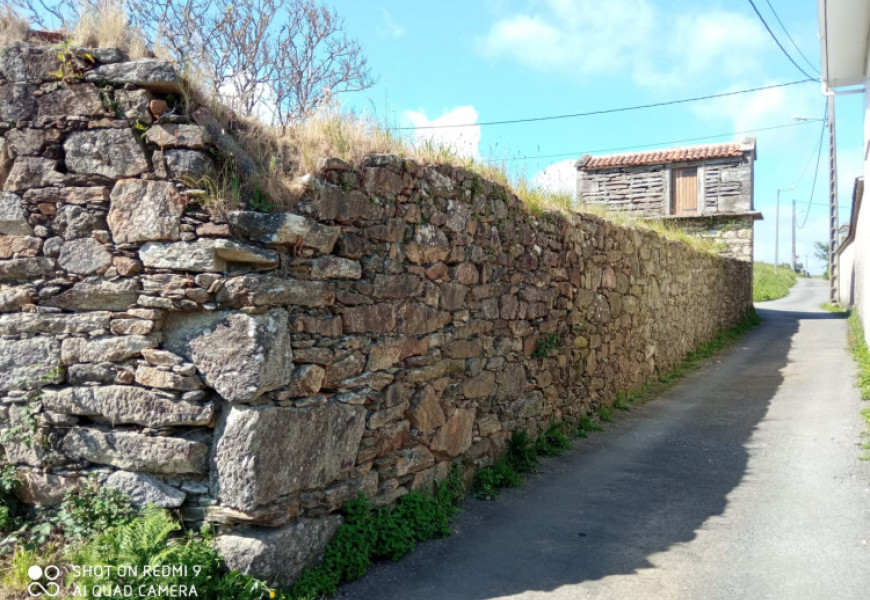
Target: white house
column 844, row 34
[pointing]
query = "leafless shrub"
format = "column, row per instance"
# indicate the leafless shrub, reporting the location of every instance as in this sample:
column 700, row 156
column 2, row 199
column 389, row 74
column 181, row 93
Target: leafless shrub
column 13, row 27
column 277, row 59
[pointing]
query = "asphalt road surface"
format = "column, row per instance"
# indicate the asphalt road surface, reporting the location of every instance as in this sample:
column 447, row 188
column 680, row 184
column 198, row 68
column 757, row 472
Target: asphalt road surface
column 744, row 481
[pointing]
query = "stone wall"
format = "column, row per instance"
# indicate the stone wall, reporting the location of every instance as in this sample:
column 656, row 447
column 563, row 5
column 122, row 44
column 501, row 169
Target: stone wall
column 257, row 369
column 731, row 235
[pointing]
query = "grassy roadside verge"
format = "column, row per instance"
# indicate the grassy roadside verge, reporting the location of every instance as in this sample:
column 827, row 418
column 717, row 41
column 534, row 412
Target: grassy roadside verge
column 767, row 285
column 861, row 354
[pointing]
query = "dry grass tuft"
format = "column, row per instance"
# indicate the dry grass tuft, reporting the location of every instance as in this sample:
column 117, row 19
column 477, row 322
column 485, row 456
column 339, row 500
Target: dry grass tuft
column 13, row 27
column 107, row 26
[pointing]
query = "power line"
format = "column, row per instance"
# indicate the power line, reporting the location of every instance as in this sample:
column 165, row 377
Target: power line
column 653, row 144
column 784, row 51
column 796, row 47
column 816, row 174
column 605, row 111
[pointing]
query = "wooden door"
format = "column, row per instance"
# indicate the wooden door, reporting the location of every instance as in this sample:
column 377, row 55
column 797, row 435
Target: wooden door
column 685, row 192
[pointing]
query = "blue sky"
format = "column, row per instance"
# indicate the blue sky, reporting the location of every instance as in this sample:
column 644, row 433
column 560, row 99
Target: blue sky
column 452, row 61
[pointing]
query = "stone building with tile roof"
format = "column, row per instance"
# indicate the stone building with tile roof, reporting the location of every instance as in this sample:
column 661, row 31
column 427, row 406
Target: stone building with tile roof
column 707, row 190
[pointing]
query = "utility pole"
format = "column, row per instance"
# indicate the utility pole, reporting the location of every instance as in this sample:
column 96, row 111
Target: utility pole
column 834, row 218
column 776, row 243
column 793, row 235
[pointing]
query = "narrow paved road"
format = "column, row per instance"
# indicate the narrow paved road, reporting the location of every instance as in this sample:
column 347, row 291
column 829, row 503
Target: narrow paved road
column 742, row 482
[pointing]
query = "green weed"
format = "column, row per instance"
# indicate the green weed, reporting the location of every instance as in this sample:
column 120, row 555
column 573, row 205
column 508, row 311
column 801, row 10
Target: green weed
column 621, row 402
column 553, row 442
column 489, row 480
column 605, row 414
column 767, row 285
column 368, row 534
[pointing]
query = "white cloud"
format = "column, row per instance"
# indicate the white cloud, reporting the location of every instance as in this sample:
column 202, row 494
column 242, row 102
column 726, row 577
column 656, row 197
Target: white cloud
column 707, row 46
column 559, row 177
column 388, row 26
column 462, row 140
column 577, row 36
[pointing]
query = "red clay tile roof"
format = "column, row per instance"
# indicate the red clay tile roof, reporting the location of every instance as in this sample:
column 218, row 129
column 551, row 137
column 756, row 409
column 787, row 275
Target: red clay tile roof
column 666, row 155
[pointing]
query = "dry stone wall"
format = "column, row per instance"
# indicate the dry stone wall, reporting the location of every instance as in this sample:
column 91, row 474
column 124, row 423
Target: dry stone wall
column 258, row 370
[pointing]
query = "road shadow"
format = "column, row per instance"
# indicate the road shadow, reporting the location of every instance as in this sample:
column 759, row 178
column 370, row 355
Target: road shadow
column 646, row 484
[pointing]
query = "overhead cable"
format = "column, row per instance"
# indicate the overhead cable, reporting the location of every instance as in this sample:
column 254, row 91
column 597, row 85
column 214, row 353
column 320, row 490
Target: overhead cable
column 605, row 111
column 778, row 43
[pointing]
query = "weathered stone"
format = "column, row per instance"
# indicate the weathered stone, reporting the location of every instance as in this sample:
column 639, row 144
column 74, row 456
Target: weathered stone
column 432, row 244
column 17, row 270
column 189, row 166
column 306, row 380
column 143, row 211
column 53, row 323
column 126, row 404
column 342, row 369
column 166, row 380
column 73, row 195
column 13, row 298
column 135, row 451
column 72, row 100
column 414, row 460
column 74, row 222
column 45, row 489
column 265, row 290
column 511, row 382
column 529, row 405
column 144, row 489
column 31, row 172
column 30, row 142
column 466, row 273
column 104, row 349
column 287, row 450
column 17, row 102
column 112, row 153
column 158, row 358
column 463, row 349
column 28, row 63
column 370, row 318
column 95, row 293
column 204, row 255
column 416, row 319
column 453, row 296
column 384, row 355
column 397, row 286
column 133, row 105
column 213, row 230
column 13, row 218
column 83, row 256
column 333, row 267
column 29, row 363
column 149, row 73
column 90, row 373
column 178, row 136
column 334, row 204
column 480, row 386
column 131, row 326
column 247, row 357
column 284, row 228
column 277, row 554
column 19, row 247
column 454, row 437
column 425, row 413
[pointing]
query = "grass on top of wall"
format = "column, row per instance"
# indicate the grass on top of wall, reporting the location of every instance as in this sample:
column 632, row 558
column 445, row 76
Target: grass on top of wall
column 767, row 285
column 861, row 354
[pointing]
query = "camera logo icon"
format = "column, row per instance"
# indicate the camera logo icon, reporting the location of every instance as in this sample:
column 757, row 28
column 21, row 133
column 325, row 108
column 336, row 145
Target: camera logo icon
column 36, row 589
